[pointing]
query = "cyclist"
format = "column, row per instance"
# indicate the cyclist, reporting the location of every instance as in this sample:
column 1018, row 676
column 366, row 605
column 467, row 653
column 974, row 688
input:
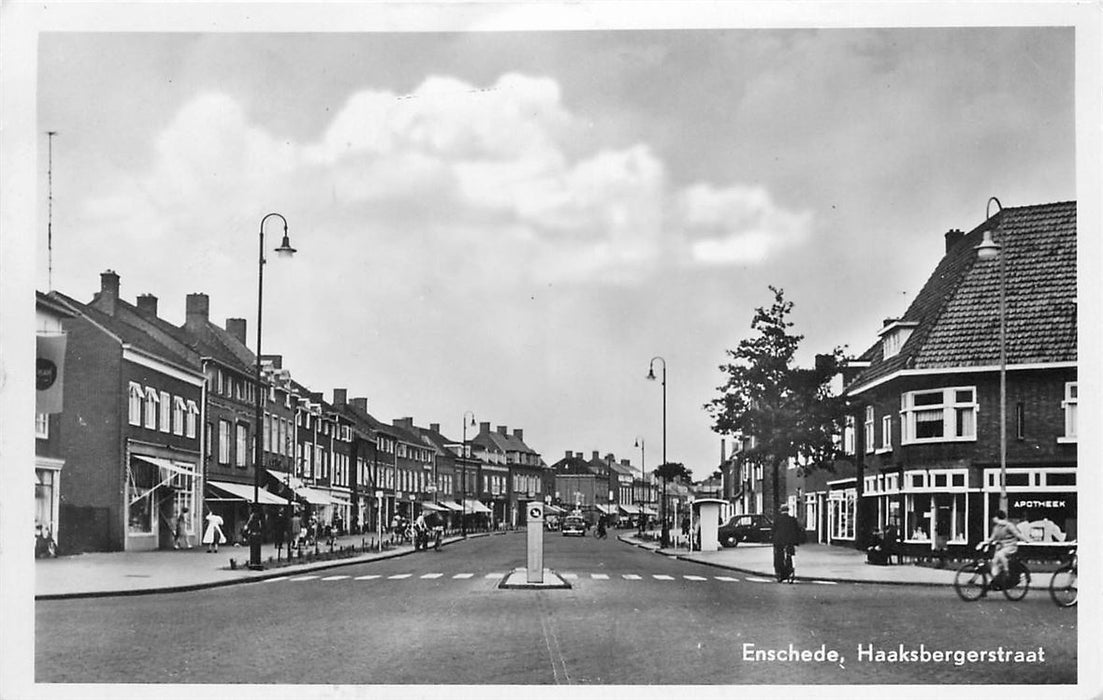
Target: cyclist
column 600, row 527
column 1006, row 536
column 787, row 534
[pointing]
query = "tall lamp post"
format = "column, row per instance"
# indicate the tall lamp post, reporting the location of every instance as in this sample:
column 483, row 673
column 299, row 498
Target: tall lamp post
column 662, row 514
column 987, row 250
column 643, row 480
column 463, row 470
column 285, row 250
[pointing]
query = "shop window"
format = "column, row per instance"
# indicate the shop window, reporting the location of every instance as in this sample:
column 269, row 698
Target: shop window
column 141, row 480
column 44, row 498
column 939, row 415
column 1070, row 407
column 917, row 516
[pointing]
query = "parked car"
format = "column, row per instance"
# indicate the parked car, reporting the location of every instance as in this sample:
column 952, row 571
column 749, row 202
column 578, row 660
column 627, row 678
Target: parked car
column 746, row 528
column 573, row 525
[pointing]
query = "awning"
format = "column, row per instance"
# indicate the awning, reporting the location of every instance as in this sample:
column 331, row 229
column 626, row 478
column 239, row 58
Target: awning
column 476, row 507
column 244, row 492
column 630, row 509
column 452, row 505
column 601, row 508
column 649, row 511
column 314, row 497
column 554, row 510
column 340, row 498
column 427, row 505
column 165, row 465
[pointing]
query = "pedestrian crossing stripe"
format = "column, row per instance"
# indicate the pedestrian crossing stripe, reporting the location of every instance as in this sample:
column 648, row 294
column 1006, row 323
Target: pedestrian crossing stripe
column 631, row 577
column 600, row 577
column 334, row 578
column 431, row 575
column 662, row 577
column 695, row 578
column 570, row 576
column 494, row 575
column 726, row 578
column 826, row 583
column 400, row 576
column 302, row 578
column 368, row 577
column 463, row 575
column 759, row 580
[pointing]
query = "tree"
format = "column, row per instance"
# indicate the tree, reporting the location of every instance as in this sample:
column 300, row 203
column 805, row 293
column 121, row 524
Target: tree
column 790, row 412
column 674, row 471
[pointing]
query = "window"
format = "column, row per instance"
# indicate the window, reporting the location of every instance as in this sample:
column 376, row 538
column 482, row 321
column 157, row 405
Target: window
column 1070, row 407
column 242, row 446
column 210, row 437
column 42, row 425
column 178, row 407
column 135, row 403
column 939, row 415
column 1020, row 421
column 165, row 404
column 848, row 436
column 151, row 408
column 886, row 433
column 191, row 419
column 223, row 442
column 869, row 428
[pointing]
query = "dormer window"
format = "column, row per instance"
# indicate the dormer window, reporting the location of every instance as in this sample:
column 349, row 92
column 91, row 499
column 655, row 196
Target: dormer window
column 893, row 336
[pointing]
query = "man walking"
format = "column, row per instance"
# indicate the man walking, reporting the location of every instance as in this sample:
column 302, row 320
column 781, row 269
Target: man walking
column 787, row 534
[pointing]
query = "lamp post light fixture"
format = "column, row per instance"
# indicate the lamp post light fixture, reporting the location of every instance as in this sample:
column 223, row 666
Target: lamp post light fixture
column 662, row 513
column 285, row 250
column 987, row 250
column 463, row 470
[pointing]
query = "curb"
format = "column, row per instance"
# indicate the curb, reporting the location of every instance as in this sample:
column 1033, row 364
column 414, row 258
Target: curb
column 754, row 572
column 249, row 578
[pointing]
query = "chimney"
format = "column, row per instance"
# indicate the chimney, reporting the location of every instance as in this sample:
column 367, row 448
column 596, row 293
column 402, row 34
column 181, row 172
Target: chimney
column 340, row 397
column 503, row 430
column 236, row 328
column 407, row 423
column 597, row 456
column 484, row 427
column 275, row 360
column 109, row 292
column 723, row 450
column 315, row 396
column 625, row 463
column 519, row 434
column 434, row 427
column 953, row 237
column 197, row 307
column 360, row 403
column 147, row 304
column 610, row 457
column 570, row 455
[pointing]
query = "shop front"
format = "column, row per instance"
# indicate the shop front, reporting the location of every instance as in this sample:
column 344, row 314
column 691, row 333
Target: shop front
column 158, row 489
column 47, row 483
column 1042, row 501
column 937, row 509
column 842, row 500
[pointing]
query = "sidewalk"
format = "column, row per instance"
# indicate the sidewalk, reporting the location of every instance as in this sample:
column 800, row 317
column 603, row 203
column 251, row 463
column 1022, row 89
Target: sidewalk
column 97, row 574
column 817, row 562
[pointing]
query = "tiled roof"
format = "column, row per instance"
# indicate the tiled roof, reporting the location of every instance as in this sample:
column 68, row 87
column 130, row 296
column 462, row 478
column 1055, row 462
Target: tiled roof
column 957, row 311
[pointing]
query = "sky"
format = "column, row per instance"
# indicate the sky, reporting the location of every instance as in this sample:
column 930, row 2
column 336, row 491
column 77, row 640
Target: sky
column 514, row 223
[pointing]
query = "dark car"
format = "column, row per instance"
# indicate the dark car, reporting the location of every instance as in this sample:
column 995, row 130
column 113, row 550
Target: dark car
column 746, row 528
column 573, row 525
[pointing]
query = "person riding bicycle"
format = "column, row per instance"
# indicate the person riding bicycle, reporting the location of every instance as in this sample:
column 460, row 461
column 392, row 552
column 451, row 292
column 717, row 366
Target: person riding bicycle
column 787, row 534
column 1006, row 536
column 421, row 532
column 601, row 526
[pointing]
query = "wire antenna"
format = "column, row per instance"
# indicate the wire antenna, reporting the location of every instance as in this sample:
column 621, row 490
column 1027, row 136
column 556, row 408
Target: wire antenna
column 50, row 214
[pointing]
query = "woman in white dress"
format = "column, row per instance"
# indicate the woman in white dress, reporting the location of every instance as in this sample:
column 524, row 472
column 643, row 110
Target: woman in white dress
column 212, row 535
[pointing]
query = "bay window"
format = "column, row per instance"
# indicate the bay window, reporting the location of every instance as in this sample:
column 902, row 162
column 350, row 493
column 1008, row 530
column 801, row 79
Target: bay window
column 939, row 415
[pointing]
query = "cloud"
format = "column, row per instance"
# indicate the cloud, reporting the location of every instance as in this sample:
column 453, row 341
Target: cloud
column 738, row 225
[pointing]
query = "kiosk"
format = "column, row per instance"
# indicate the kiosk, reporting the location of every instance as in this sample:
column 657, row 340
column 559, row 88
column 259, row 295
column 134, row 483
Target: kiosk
column 708, row 520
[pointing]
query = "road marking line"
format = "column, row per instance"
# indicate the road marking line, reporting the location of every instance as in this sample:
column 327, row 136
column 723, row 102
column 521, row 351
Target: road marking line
column 694, row 578
column 600, row 577
column 826, row 583
column 572, row 576
column 463, row 575
column 334, row 578
column 302, row 578
column 368, row 577
column 278, row 578
column 760, row 580
column 495, row 575
column 631, row 577
column 662, row 577
column 431, row 575
column 726, row 578
column 398, row 576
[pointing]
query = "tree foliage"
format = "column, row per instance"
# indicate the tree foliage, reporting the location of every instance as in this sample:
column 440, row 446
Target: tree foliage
column 791, row 412
column 674, row 471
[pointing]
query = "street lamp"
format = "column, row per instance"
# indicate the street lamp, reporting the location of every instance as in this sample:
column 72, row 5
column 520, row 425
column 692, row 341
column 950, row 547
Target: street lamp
column 987, row 250
column 662, row 514
column 463, row 470
column 643, row 480
column 285, row 250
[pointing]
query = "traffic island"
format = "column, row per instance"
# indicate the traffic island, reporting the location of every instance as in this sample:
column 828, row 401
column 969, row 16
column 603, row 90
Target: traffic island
column 518, row 579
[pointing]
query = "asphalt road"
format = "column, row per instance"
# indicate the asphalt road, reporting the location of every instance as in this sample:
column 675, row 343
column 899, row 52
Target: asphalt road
column 632, row 617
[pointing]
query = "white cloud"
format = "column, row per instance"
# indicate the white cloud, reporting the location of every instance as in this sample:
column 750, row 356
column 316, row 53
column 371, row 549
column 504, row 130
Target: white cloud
column 737, row 225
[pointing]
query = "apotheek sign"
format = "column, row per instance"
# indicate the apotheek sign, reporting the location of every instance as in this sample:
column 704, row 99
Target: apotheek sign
column 1032, row 503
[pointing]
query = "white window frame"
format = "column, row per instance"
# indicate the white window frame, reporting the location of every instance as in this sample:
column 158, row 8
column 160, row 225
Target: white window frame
column 151, row 404
column 135, row 407
column 869, row 430
column 223, row 441
column 42, row 426
column 886, row 434
column 241, row 442
column 178, row 407
column 848, row 436
column 191, row 419
column 164, row 404
column 1070, row 407
column 949, row 407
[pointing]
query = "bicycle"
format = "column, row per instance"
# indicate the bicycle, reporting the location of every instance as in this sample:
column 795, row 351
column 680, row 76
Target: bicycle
column 971, row 582
column 788, row 573
column 600, row 534
column 1062, row 585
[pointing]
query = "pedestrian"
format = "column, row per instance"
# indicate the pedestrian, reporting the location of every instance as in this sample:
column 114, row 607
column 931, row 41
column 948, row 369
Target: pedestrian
column 279, row 532
column 296, row 530
column 787, row 534
column 685, row 526
column 213, row 535
column 180, row 537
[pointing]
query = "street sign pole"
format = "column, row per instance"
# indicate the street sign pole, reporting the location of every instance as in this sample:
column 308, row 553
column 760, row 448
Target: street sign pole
column 535, row 524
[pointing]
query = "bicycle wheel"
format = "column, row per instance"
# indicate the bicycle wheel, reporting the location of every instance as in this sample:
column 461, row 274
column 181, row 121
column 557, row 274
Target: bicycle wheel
column 971, row 580
column 1017, row 591
column 1062, row 586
